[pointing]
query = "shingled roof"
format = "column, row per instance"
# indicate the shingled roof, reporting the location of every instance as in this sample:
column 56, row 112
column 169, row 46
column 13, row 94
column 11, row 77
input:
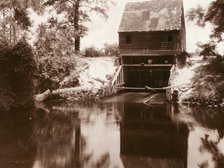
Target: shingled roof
column 154, row 15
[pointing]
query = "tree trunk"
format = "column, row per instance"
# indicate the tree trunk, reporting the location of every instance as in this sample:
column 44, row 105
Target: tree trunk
column 14, row 32
column 10, row 32
column 4, row 23
column 76, row 26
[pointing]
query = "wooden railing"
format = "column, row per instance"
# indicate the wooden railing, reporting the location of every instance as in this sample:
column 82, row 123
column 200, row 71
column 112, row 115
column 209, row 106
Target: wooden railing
column 152, row 48
column 118, row 79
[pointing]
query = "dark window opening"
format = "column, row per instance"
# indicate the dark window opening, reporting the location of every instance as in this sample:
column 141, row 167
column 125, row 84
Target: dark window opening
column 146, row 15
column 154, row 22
column 128, row 39
column 170, row 38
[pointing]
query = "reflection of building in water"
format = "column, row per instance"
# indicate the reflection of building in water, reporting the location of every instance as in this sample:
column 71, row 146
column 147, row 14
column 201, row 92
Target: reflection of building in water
column 149, row 138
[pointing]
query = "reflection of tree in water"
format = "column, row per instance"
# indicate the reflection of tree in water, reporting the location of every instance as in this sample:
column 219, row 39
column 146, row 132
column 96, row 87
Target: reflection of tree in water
column 60, row 142
column 54, row 134
column 104, row 161
column 212, row 147
column 212, row 119
column 17, row 148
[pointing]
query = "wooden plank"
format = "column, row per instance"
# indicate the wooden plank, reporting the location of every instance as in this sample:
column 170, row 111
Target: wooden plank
column 141, row 88
column 147, row 65
column 149, row 53
column 116, row 75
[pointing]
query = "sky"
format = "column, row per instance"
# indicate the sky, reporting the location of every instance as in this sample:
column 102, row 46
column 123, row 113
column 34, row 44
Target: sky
column 103, row 31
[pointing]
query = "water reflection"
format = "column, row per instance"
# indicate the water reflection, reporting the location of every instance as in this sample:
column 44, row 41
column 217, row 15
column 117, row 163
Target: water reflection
column 149, row 138
column 113, row 135
column 58, row 139
column 17, row 147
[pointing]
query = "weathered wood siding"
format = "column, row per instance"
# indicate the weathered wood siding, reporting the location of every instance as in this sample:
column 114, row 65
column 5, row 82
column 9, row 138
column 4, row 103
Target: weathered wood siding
column 150, row 42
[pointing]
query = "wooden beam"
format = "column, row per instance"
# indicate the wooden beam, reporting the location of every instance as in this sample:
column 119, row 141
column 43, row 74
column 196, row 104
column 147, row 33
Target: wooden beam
column 147, row 65
column 141, row 88
column 148, row 54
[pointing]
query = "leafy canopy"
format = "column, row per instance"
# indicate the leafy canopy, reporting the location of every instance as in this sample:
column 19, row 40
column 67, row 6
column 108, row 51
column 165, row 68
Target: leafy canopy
column 214, row 14
column 77, row 12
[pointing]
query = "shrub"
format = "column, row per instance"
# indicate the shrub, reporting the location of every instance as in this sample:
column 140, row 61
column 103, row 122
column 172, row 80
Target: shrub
column 23, row 71
column 52, row 69
column 17, row 73
column 92, row 51
column 181, row 59
column 5, row 59
column 111, row 49
column 55, row 57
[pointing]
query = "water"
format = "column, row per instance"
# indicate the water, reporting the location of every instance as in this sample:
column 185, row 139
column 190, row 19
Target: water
column 121, row 132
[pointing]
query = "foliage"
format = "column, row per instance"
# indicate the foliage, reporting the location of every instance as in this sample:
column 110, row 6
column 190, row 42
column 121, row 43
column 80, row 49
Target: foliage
column 216, row 65
column 181, row 59
column 5, row 59
column 23, row 59
column 196, row 14
column 111, row 49
column 76, row 13
column 15, row 19
column 209, row 79
column 212, row 147
column 53, row 52
column 92, row 51
column 23, row 70
column 107, row 50
column 208, row 49
column 70, row 81
column 17, row 72
column 214, row 15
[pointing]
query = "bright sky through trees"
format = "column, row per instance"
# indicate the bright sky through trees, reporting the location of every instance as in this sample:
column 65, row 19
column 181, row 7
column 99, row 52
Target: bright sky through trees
column 103, row 31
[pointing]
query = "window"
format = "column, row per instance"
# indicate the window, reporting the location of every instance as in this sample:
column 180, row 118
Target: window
column 154, row 22
column 128, row 39
column 146, row 15
column 170, row 38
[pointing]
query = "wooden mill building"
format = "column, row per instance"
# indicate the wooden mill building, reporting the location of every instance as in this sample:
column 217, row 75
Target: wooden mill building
column 151, row 36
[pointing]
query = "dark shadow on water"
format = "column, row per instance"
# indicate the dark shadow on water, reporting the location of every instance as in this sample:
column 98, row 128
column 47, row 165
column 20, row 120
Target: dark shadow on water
column 149, row 138
column 17, row 146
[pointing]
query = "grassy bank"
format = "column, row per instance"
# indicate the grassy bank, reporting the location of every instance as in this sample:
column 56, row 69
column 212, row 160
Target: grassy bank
column 200, row 82
column 93, row 75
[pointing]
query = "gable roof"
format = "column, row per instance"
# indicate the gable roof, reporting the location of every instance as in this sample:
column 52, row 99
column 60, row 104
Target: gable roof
column 154, row 15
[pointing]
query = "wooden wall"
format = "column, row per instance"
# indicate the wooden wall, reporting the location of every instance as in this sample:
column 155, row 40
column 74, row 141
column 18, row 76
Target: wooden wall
column 150, row 41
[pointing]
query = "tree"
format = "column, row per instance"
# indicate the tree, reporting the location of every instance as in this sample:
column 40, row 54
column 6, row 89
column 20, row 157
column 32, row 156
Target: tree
column 15, row 19
column 53, row 53
column 214, row 15
column 76, row 13
column 23, row 70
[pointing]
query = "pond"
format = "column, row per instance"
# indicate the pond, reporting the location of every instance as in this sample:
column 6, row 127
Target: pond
column 116, row 133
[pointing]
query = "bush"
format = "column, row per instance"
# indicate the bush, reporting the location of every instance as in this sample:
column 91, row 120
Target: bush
column 70, row 81
column 52, row 69
column 111, row 49
column 55, row 57
column 216, row 65
column 23, row 71
column 17, row 74
column 5, row 59
column 181, row 59
column 92, row 52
